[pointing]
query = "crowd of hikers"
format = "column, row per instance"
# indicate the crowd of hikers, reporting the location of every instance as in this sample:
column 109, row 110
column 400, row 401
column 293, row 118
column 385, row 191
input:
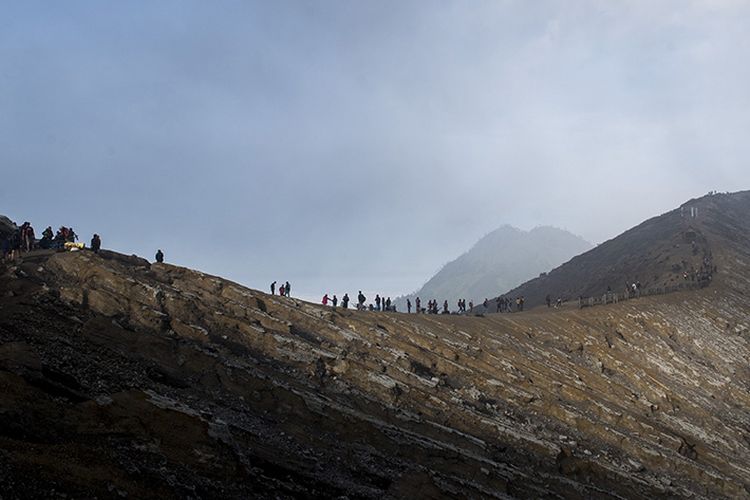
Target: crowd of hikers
column 285, row 289
column 23, row 240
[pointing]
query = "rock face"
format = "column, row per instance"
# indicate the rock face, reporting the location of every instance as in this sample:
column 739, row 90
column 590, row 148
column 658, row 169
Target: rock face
column 498, row 262
column 658, row 253
column 120, row 378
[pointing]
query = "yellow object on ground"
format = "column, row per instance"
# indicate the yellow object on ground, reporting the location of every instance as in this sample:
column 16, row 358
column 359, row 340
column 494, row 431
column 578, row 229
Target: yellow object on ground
column 71, row 246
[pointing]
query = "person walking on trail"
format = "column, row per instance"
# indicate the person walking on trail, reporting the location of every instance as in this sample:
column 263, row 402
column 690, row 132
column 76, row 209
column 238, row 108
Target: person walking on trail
column 273, row 288
column 325, row 299
column 377, row 302
column 159, row 256
column 334, row 301
column 408, row 306
column 345, row 301
column 418, row 305
column 96, row 243
column 287, row 289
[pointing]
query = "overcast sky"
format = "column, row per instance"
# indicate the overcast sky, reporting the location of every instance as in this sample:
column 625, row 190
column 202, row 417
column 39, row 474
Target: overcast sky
column 346, row 145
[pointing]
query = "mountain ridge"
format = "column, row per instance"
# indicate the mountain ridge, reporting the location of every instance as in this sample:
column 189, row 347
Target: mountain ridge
column 178, row 384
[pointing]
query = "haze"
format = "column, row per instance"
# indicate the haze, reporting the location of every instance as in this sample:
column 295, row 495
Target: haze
column 349, row 146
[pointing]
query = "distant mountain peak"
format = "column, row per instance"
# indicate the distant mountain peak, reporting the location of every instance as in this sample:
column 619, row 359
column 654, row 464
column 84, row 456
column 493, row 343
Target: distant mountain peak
column 502, row 259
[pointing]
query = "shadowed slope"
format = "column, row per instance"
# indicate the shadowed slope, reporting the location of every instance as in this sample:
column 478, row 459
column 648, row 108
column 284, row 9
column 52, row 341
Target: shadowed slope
column 656, row 253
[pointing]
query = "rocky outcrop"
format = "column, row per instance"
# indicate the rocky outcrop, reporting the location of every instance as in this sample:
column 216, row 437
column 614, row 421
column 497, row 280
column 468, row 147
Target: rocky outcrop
column 123, row 378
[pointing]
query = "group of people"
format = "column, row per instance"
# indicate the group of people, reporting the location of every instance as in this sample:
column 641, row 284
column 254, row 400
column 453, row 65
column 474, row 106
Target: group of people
column 505, row 304
column 284, row 290
column 23, row 239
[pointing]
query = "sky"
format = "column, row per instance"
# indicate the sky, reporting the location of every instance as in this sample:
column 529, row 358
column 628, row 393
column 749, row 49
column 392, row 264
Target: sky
column 361, row 145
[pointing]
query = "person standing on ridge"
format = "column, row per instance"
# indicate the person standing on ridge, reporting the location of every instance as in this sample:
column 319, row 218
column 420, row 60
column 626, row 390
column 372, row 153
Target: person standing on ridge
column 325, row 299
column 548, row 299
column 159, row 256
column 408, row 306
column 335, row 301
column 345, row 301
column 361, row 300
column 287, row 289
column 281, row 290
column 388, row 304
column 418, row 305
column 273, row 288
column 96, row 243
column 377, row 302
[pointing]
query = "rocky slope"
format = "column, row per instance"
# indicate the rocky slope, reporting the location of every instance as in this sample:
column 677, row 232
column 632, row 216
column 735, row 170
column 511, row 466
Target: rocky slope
column 658, row 253
column 498, row 262
column 122, row 378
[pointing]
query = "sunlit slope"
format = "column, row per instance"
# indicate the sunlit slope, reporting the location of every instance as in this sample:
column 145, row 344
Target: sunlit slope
column 174, row 381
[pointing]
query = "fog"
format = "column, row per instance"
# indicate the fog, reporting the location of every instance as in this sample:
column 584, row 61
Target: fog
column 349, row 146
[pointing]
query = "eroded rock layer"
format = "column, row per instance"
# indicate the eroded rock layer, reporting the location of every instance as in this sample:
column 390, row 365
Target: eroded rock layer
column 121, row 378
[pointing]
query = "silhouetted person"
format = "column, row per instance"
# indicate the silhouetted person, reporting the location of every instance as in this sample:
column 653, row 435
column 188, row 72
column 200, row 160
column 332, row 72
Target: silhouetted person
column 273, row 288
column 96, row 243
column 361, row 300
column 159, row 256
column 377, row 302
column 345, row 301
column 388, row 304
column 287, row 289
column 408, row 306
column 445, row 307
column 418, row 305
column 282, row 292
column 548, row 299
column 335, row 301
column 47, row 235
column 325, row 299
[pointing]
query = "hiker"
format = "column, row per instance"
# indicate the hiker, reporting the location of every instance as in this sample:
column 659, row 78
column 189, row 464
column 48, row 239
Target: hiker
column 6, row 248
column 418, row 305
column 388, row 304
column 548, row 299
column 377, row 302
column 325, row 299
column 46, row 241
column 445, row 307
column 72, row 236
column 498, row 301
column 361, row 300
column 287, row 289
column 345, row 301
column 408, row 306
column 281, row 290
column 96, row 243
column 520, row 302
column 335, row 301
column 273, row 288
column 486, row 302
column 27, row 237
column 159, row 256
column 471, row 305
